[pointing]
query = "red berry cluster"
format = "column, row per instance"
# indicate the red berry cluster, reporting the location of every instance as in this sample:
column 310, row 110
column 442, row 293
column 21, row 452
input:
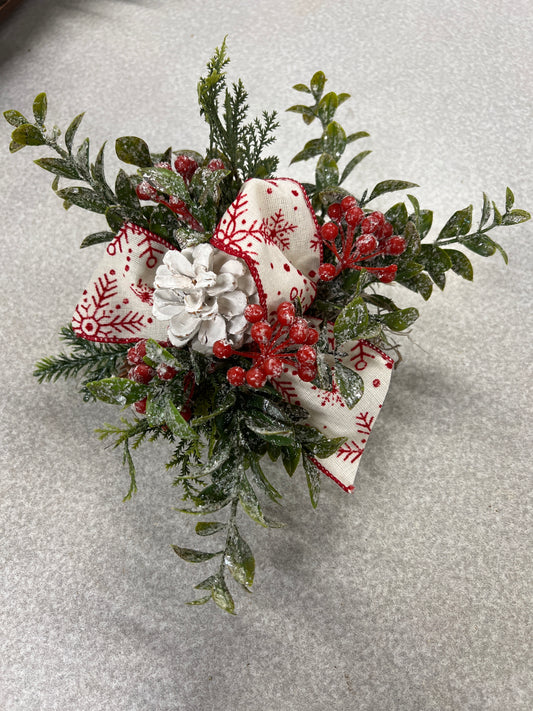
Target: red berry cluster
column 289, row 341
column 186, row 167
column 362, row 237
column 142, row 373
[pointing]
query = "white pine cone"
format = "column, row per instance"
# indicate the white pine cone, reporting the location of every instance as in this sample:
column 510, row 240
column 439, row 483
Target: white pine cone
column 203, row 292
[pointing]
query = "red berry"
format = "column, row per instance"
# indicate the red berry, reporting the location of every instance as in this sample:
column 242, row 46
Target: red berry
column 165, row 372
column 306, row 355
column 329, row 231
column 354, row 216
column 387, row 274
column 141, row 373
column 272, row 366
column 216, row 164
column 395, row 245
column 286, row 313
column 236, row 376
column 312, row 337
column 254, row 313
column 261, row 332
column 136, row 353
column 373, row 223
column 299, row 331
column 140, row 406
column 185, row 166
column 307, row 373
column 335, row 211
column 145, row 191
column 387, row 229
column 348, row 202
column 256, row 377
column 222, row 349
column 366, row 244
column 327, row 272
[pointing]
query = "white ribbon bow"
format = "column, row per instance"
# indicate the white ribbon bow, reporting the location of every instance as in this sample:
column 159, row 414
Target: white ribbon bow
column 272, row 227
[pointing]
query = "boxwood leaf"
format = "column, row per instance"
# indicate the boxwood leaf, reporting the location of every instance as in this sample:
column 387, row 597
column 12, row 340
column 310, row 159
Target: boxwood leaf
column 176, row 423
column 327, row 172
column 389, row 186
column 318, row 81
column 334, row 140
column 327, row 106
column 316, row 443
column 193, row 556
column 460, row 264
column 239, row 558
column 350, row 384
column 117, row 391
column 250, row 502
column 71, row 131
column 302, row 87
column 83, row 197
column 166, row 181
column 15, row 118
column 58, row 166
column 312, row 148
column 458, row 224
column 397, row 216
column 351, row 321
column 401, row 319
column 352, row 164
column 133, row 150
column 40, row 105
column 208, row 528
column 97, row 238
column 515, row 217
column 222, row 596
column 28, row 135
column 312, row 474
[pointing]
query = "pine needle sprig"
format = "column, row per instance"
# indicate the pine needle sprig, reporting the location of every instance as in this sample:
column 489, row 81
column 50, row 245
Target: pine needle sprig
column 94, row 360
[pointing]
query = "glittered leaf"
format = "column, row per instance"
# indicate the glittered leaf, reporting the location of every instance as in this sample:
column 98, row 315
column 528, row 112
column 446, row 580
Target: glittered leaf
column 460, row 264
column 327, row 172
column 15, row 118
column 28, row 135
column 401, row 319
column 71, row 131
column 166, row 181
column 97, row 238
column 117, row 391
column 334, row 140
column 458, row 224
column 176, row 423
column 39, row 108
column 239, row 558
column 193, row 556
column 209, row 528
column 83, row 197
column 222, row 596
column 58, row 166
column 351, row 321
column 515, row 217
column 353, row 163
column 312, row 474
column 389, row 186
column 350, row 384
column 133, row 150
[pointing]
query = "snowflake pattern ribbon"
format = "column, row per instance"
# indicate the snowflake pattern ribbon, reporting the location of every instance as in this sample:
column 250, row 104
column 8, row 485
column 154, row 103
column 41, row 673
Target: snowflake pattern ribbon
column 272, row 227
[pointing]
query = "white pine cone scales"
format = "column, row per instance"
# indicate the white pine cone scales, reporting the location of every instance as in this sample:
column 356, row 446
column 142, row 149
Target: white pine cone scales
column 203, row 292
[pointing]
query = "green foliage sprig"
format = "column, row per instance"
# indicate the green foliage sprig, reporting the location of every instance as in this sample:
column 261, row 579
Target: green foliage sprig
column 219, row 434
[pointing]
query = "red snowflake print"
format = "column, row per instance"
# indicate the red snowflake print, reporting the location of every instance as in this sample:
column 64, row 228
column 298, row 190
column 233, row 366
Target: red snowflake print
column 349, row 452
column 151, row 250
column 143, row 292
column 360, row 356
column 97, row 320
column 316, row 242
column 277, row 231
column 234, row 235
column 329, row 397
column 286, row 389
column 364, row 423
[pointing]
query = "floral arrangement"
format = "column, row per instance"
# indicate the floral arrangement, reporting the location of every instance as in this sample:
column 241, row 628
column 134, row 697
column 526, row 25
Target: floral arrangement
column 237, row 315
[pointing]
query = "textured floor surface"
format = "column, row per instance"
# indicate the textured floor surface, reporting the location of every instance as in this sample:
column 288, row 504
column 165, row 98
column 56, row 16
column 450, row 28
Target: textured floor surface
column 413, row 593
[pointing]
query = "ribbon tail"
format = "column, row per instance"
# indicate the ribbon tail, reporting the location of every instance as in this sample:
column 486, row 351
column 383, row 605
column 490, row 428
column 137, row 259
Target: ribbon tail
column 329, row 414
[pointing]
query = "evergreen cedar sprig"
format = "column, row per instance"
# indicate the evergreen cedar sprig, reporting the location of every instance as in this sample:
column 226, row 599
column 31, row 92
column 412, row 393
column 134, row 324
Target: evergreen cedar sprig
column 219, row 418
